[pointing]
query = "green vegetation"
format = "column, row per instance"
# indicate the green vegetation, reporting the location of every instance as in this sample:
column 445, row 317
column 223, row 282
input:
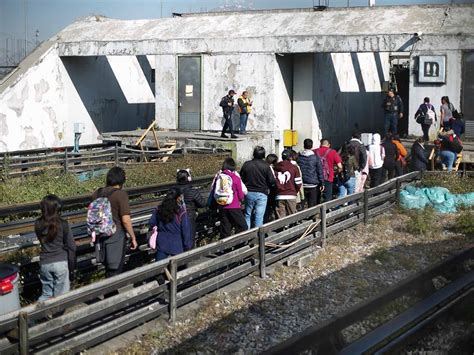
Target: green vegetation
column 452, row 182
column 33, row 188
column 421, row 222
column 465, row 223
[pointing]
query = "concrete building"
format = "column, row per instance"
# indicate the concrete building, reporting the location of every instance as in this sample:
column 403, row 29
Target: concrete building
column 321, row 73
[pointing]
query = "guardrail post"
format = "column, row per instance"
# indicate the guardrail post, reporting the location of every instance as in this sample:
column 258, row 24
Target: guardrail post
column 323, row 224
column 116, row 154
column 66, row 162
column 366, row 206
column 261, row 253
column 173, row 289
column 23, row 333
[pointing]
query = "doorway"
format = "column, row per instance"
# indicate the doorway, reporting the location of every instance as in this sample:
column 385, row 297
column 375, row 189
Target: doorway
column 189, row 93
column 402, row 80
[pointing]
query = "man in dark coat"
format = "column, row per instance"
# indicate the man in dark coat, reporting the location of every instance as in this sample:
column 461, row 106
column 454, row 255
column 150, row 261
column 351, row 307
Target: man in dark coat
column 419, row 160
column 393, row 108
column 227, row 104
column 312, row 174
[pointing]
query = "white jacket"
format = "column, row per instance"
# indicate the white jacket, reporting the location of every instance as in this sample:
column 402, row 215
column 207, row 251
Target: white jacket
column 376, row 153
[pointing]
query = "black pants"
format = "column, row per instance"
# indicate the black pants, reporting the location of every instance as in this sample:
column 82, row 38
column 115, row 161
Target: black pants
column 231, row 217
column 388, row 172
column 375, row 177
column 398, row 168
column 312, row 196
column 228, row 123
column 327, row 193
column 425, row 128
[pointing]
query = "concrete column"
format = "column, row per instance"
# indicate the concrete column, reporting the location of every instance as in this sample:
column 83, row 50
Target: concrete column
column 166, row 76
column 305, row 120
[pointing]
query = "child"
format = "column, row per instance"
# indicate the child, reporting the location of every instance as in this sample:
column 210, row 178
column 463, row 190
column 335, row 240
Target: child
column 57, row 247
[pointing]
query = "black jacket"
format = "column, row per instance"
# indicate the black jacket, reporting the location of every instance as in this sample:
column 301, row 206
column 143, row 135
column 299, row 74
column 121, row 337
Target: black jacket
column 391, row 154
column 361, row 152
column 311, row 168
column 257, row 176
column 419, row 160
column 192, row 199
column 57, row 249
column 225, row 104
column 393, row 104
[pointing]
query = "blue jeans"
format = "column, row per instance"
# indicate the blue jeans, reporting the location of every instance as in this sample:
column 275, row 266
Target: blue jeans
column 54, row 279
column 255, row 205
column 346, row 188
column 448, row 158
column 243, row 122
column 391, row 122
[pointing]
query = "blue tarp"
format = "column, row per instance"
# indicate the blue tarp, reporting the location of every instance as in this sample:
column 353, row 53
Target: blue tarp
column 438, row 198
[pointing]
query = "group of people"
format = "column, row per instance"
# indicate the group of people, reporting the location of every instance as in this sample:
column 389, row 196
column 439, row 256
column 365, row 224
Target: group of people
column 244, row 106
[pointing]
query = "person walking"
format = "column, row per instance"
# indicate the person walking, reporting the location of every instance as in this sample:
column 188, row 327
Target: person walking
column 227, row 104
column 174, row 232
column 446, row 111
column 347, row 180
column 228, row 191
column 360, row 154
column 311, row 173
column 390, row 160
column 271, row 160
column 58, row 248
column 419, row 160
column 192, row 198
column 112, row 249
column 402, row 154
column 259, row 179
column 330, row 159
column 288, row 181
column 393, row 108
column 245, row 107
column 376, row 158
column 426, row 116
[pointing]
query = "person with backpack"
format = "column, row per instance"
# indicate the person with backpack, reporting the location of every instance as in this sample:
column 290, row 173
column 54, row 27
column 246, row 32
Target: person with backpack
column 171, row 224
column 228, row 191
column 192, row 198
column 58, row 248
column 451, row 146
column 311, row 173
column 360, row 155
column 288, row 181
column 108, row 221
column 257, row 175
column 330, row 159
column 227, row 104
column 376, row 157
column 347, row 179
column 426, row 116
column 390, row 160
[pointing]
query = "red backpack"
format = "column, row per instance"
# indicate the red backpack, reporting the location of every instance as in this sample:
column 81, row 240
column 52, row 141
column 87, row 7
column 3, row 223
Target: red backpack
column 325, row 165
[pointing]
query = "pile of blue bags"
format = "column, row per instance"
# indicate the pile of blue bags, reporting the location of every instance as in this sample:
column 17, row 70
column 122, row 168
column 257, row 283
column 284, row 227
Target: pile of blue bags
column 438, row 198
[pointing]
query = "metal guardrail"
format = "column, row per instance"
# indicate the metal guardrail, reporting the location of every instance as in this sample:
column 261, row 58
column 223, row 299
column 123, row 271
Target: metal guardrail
column 144, row 295
column 327, row 337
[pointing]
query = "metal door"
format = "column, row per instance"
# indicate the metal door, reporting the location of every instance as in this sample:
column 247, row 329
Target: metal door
column 189, row 93
column 467, row 91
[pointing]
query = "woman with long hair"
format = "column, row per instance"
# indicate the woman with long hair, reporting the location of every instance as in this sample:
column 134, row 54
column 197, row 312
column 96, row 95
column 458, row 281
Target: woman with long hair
column 57, row 247
column 172, row 225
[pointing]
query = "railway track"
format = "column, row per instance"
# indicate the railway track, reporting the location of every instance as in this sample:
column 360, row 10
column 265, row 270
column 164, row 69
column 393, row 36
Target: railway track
column 399, row 331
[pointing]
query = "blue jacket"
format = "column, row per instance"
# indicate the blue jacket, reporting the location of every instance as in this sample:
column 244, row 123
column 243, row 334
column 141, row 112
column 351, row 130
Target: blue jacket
column 174, row 237
column 311, row 169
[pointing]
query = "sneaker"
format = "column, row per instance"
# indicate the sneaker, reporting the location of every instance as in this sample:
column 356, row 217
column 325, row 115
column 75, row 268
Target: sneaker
column 233, row 136
column 224, row 136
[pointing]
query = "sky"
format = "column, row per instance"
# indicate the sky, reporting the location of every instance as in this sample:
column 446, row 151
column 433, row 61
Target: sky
column 44, row 18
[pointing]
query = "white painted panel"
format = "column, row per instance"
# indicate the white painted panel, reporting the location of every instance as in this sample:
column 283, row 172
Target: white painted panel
column 345, row 72
column 384, row 58
column 369, row 72
column 131, row 79
column 152, row 61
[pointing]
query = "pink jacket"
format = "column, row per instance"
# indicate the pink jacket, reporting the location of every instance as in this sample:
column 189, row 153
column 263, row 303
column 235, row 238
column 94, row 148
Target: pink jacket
column 239, row 194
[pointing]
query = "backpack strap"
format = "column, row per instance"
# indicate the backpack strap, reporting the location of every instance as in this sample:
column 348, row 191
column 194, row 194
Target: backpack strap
column 326, row 153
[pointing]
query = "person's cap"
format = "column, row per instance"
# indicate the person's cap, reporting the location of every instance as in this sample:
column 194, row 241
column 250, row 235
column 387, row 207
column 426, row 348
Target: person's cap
column 232, row 92
column 286, row 154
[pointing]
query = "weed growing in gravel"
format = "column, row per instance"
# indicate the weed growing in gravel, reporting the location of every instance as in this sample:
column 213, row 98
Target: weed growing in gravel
column 421, row 222
column 452, row 182
column 465, row 223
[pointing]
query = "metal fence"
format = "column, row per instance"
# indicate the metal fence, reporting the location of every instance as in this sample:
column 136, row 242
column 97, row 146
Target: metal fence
column 92, row 314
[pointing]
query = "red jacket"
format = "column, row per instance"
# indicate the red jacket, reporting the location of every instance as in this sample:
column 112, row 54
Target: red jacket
column 288, row 180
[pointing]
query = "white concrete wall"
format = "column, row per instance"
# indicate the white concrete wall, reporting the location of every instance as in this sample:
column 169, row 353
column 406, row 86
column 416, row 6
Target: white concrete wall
column 166, row 89
column 283, row 99
column 452, row 88
column 305, row 119
column 40, row 109
column 251, row 72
